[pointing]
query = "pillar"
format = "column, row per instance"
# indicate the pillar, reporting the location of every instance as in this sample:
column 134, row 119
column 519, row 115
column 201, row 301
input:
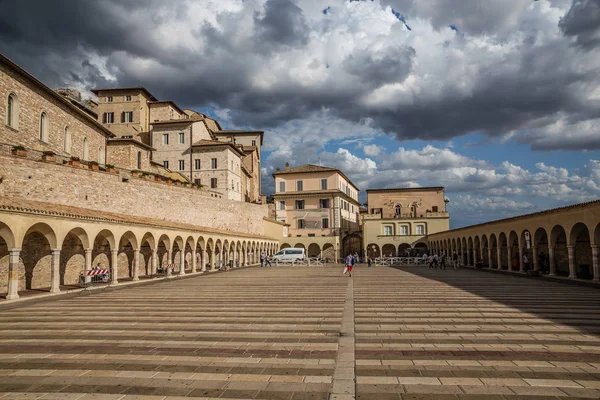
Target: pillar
column 499, row 255
column 595, row 264
column 154, row 261
column 203, row 260
column 572, row 272
column 551, row 259
column 509, row 253
column 88, row 264
column 55, row 273
column 521, row 266
column 114, row 255
column 213, row 262
column 536, row 265
column 136, row 264
column 481, row 254
column 193, row 260
column 169, row 262
column 13, row 274
column 490, row 264
column 182, row 262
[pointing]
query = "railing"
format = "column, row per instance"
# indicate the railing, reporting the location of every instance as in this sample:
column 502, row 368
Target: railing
column 308, row 262
column 401, row 261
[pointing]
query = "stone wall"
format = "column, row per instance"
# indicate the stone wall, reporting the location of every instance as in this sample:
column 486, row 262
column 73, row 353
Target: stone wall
column 32, row 102
column 100, row 191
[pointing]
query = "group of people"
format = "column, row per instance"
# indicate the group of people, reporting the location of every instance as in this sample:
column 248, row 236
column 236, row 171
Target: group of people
column 265, row 260
column 434, row 261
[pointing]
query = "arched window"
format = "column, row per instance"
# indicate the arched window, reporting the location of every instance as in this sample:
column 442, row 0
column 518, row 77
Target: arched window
column 139, row 160
column 86, row 153
column 12, row 111
column 413, row 210
column 398, row 210
column 67, row 140
column 44, row 127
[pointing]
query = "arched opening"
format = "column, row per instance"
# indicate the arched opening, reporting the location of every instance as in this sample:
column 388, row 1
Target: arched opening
column 420, row 248
column 513, row 243
column 470, row 255
column 72, row 257
column 398, row 210
column 162, row 252
column 189, row 248
column 125, row 256
column 493, row 251
column 328, row 252
column 559, row 259
column 352, row 244
column 200, row 260
column 485, row 251
column 477, row 250
column 209, row 254
column 43, row 127
column 503, row 249
column 178, row 248
column 12, row 111
column 582, row 251
column 102, row 247
column 67, row 140
column 299, row 246
column 284, row 246
column 404, row 250
column 314, row 250
column 540, row 250
column 7, row 242
column 145, row 260
column 139, row 160
column 373, row 250
column 36, row 253
column 413, row 210
column 86, row 150
column 388, row 250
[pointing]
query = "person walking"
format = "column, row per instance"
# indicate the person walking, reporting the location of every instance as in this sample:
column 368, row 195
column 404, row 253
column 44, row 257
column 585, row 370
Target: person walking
column 525, row 262
column 349, row 264
column 443, row 261
column 268, row 261
column 435, row 261
column 455, row 260
column 262, row 259
column 369, row 262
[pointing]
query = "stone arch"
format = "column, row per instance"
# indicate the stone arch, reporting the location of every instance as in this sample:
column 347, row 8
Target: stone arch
column 470, row 251
column 314, row 250
column 581, row 251
column 477, row 250
column 163, row 250
column 388, row 250
column 353, row 244
column 299, row 246
column 43, row 134
column 188, row 253
column 284, row 246
column 328, row 252
column 200, row 256
column 36, row 254
column 402, row 249
column 210, row 249
column 7, row 242
column 128, row 243
column 217, row 253
column 559, row 259
column 421, row 247
column 147, row 247
column 493, row 248
column 504, row 262
column 178, row 249
column 72, row 255
column 539, row 244
column 513, row 244
column 485, row 251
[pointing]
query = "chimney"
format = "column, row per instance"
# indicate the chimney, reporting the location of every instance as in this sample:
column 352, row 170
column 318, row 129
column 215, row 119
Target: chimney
column 287, row 166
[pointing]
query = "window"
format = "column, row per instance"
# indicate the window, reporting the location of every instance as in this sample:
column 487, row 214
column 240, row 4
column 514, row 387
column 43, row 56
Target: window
column 127, row 117
column 109, row 99
column 301, row 224
column 181, row 165
column 181, row 138
column 232, row 165
column 108, row 118
column 254, row 143
column 299, row 204
column 213, row 163
column 213, row 183
column 139, row 160
column 387, row 230
column 434, row 208
column 10, row 113
column 166, row 164
column 324, row 203
column 165, row 138
column 398, row 210
column 420, row 230
column 232, row 185
column 67, row 140
column 282, row 205
column 128, row 98
column 281, row 187
column 404, row 230
column 44, row 127
column 323, row 184
column 198, row 181
column 299, row 186
column 197, row 163
column 86, row 152
column 325, row 223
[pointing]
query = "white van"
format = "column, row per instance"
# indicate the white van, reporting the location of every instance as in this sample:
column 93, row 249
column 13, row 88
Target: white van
column 289, row 255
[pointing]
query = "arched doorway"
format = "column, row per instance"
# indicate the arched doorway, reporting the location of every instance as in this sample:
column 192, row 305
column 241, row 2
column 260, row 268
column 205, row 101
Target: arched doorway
column 388, row 250
column 313, row 250
column 352, row 244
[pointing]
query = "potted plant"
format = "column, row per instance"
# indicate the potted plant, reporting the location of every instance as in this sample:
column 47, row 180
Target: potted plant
column 177, row 183
column 49, row 156
column 158, row 178
column 169, row 181
column 136, row 173
column 19, row 151
column 111, row 169
column 75, row 161
column 94, row 166
column 148, row 176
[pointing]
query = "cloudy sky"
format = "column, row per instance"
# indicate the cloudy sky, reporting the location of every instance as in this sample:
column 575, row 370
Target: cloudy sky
column 497, row 100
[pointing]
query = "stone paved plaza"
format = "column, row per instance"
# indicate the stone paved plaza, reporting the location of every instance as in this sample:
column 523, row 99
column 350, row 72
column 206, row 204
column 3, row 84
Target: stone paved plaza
column 309, row 333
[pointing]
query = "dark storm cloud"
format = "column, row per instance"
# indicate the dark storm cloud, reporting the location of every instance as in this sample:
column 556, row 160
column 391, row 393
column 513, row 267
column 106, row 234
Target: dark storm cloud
column 583, row 22
column 237, row 62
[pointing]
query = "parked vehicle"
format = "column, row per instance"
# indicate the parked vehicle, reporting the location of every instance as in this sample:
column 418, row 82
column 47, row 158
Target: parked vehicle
column 289, row 255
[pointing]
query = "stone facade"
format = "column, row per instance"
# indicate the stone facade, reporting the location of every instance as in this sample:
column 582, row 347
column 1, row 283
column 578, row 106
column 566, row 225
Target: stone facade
column 119, row 101
column 129, row 154
column 68, row 131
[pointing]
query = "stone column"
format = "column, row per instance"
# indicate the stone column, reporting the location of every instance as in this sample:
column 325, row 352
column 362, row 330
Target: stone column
column 536, row 264
column 154, row 261
column 136, row 264
column 509, row 253
column 521, row 266
column 596, row 265
column 552, row 262
column 203, row 260
column 55, row 281
column 182, row 262
column 499, row 256
column 88, row 264
column 169, row 262
column 194, row 261
column 490, row 264
column 114, row 254
column 213, row 262
column 572, row 273
column 13, row 274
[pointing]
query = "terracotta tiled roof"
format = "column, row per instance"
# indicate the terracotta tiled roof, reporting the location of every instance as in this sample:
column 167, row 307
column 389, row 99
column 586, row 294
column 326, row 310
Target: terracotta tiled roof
column 171, row 102
column 177, row 121
column 143, row 89
column 208, row 143
column 21, row 205
column 312, row 168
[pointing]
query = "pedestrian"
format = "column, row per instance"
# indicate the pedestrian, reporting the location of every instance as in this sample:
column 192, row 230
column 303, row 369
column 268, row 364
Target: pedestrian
column 349, row 263
column 525, row 262
column 443, row 261
column 268, row 261
column 369, row 262
column 262, row 259
column 455, row 260
column 435, row 260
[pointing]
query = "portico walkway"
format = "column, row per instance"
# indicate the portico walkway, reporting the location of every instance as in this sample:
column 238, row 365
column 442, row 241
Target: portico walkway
column 288, row 332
